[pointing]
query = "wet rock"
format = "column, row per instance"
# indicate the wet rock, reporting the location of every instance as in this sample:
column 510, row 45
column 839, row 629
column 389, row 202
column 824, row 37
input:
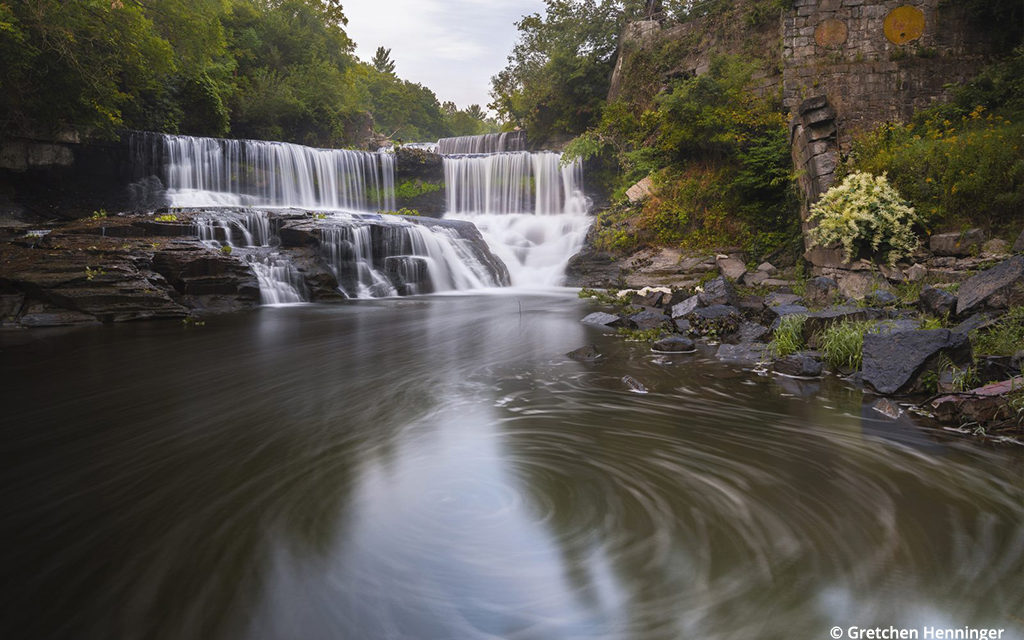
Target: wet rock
column 633, row 384
column 602, row 319
column 893, row 362
column 208, row 280
column 957, row 244
column 776, row 299
column 1000, row 287
column 588, row 353
column 686, row 307
column 887, row 408
column 798, row 365
column 719, row 291
column 937, row 302
column 44, row 315
column 984, row 405
column 674, row 344
column 750, row 353
column 731, row 267
column 750, row 332
column 648, row 319
column 821, row 290
column 716, row 321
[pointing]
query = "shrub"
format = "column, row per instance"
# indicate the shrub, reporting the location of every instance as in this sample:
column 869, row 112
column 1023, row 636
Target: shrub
column 401, row 212
column 1005, row 338
column 866, row 216
column 788, row 337
column 170, row 217
column 408, row 189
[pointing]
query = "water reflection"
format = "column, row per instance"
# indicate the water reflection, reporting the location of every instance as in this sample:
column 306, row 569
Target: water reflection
column 436, row 468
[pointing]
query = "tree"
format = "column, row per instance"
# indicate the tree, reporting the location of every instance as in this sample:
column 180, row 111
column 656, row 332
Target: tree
column 382, row 61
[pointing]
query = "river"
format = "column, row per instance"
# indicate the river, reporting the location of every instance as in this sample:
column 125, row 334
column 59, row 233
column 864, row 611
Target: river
column 435, row 467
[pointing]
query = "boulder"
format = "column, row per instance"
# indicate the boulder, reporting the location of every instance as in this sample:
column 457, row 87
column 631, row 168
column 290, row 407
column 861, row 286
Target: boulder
column 633, row 384
column 640, row 191
column 767, row 267
column 937, row 302
column 916, row 272
column 798, row 365
column 975, row 322
column 686, row 307
column 776, row 299
column 588, row 353
column 752, row 306
column 754, row 278
column 882, row 298
column 1018, row 246
column 602, row 319
column 716, row 321
column 731, row 267
column 674, row 344
column 648, row 319
column 859, row 284
column 957, row 244
column 998, row 288
column 995, row 248
column 750, row 332
column 893, row 362
column 820, row 290
column 652, row 296
column 719, row 291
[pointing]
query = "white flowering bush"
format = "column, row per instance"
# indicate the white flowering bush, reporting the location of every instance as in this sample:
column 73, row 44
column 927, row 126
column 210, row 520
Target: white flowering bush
column 867, row 217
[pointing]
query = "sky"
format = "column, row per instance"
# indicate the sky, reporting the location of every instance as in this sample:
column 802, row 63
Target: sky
column 452, row 47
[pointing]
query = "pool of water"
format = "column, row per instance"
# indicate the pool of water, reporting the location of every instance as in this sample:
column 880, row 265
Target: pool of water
column 437, row 468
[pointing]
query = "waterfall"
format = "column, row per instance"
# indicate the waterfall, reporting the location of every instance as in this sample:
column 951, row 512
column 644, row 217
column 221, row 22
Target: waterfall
column 529, row 207
column 389, row 256
column 200, row 172
column 487, row 143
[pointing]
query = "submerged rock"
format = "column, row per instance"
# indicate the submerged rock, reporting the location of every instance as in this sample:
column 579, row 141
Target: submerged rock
column 674, row 344
column 893, row 362
column 750, row 353
column 588, row 353
column 798, row 365
column 633, row 384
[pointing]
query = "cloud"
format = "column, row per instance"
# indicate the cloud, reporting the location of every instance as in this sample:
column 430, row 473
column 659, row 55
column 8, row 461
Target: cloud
column 453, row 47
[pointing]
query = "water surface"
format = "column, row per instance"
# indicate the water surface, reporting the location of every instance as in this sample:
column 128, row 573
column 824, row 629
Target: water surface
column 437, row 468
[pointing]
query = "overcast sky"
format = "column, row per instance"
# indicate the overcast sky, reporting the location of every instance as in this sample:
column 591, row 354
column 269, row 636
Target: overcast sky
column 451, row 46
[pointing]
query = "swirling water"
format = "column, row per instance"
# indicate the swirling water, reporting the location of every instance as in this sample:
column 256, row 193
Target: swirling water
column 437, row 468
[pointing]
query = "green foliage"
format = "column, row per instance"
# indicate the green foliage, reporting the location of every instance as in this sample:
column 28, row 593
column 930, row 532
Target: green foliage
column 842, row 343
column 401, row 212
column 99, row 215
column 382, row 61
column 610, row 297
column 91, row 273
column 226, row 249
column 413, row 188
column 638, row 335
column 168, row 217
column 1005, row 338
column 788, row 337
column 867, row 217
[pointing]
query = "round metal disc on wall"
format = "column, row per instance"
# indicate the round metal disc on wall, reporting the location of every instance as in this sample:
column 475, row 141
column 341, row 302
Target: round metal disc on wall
column 904, row 24
column 831, row 33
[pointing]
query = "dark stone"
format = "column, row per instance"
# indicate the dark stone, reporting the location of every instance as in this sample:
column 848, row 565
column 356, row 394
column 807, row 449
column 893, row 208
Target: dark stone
column 893, row 362
column 716, row 321
column 937, row 302
column 682, row 325
column 686, row 307
column 798, row 365
column 975, row 322
column 957, row 244
column 752, row 306
column 882, row 298
column 820, row 290
column 633, row 384
column 750, row 332
column 652, row 298
column 777, row 299
column 1000, row 287
column 648, row 319
column 747, row 353
column 584, row 354
column 418, row 164
column 602, row 319
column 674, row 344
column 719, row 291
column 774, row 315
column 996, row 368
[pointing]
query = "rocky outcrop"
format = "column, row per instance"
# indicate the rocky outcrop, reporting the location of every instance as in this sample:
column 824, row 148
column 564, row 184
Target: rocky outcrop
column 957, row 244
column 893, row 362
column 1000, row 287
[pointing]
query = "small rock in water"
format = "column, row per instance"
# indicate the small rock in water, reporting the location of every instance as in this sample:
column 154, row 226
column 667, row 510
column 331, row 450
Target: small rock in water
column 798, row 365
column 888, row 408
column 585, row 354
column 634, row 385
column 674, row 344
column 602, row 319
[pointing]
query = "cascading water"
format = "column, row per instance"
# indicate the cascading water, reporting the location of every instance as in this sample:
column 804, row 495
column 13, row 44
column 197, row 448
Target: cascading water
column 201, row 172
column 529, row 207
column 487, row 143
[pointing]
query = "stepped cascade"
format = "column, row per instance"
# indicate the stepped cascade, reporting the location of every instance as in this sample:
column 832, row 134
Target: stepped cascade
column 530, row 208
column 200, row 172
column 487, row 143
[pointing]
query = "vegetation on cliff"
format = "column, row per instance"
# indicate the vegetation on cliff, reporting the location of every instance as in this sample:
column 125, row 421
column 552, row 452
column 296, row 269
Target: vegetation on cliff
column 270, row 69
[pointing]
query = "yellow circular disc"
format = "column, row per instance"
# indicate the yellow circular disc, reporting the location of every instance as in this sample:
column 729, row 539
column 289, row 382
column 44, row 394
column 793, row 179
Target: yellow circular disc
column 904, row 24
column 831, row 33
